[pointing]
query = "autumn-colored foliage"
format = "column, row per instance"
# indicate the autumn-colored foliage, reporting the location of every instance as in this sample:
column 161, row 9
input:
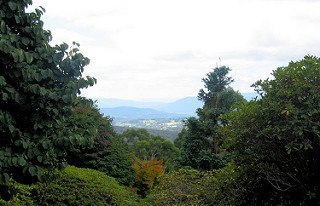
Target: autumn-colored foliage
column 147, row 173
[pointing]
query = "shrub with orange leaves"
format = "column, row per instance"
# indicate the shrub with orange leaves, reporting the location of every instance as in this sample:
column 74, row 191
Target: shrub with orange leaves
column 147, row 173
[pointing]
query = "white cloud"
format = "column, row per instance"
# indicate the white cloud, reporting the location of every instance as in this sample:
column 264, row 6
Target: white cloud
column 161, row 49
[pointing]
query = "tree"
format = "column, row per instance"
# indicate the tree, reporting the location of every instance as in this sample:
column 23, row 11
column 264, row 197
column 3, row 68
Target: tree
column 118, row 162
column 39, row 85
column 87, row 121
column 216, row 82
column 275, row 139
column 147, row 173
column 131, row 136
column 177, row 141
column 148, row 147
column 108, row 154
column 200, row 143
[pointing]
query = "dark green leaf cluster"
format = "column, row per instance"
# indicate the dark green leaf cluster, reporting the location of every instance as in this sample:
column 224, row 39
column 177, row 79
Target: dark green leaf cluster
column 108, row 153
column 275, row 140
column 39, row 85
column 117, row 163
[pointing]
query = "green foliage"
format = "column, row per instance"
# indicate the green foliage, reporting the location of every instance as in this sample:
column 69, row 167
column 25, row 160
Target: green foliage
column 117, row 163
column 39, row 85
column 108, row 154
column 22, row 194
column 201, row 141
column 131, row 136
column 75, row 186
column 86, row 121
column 215, row 83
column 148, row 147
column 275, row 139
column 84, row 187
column 196, row 152
column 185, row 187
column 178, row 141
column 192, row 187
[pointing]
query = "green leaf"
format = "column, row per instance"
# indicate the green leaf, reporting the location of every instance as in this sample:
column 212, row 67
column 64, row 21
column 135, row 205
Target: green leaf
column 29, row 57
column 15, row 161
column 3, row 26
column 18, row 142
column 39, row 158
column 17, row 18
column 5, row 96
column 25, row 40
column 25, row 144
column 30, row 154
column 22, row 161
column 27, row 29
column 6, row 177
column 44, row 73
column 34, row 88
column 73, row 140
column 12, row 5
column 33, row 171
column 2, row 81
column 11, row 128
column 1, row 154
column 36, row 151
column 55, row 111
column 45, row 145
column 8, row 152
column 43, row 91
column 40, row 174
column 37, row 77
column 65, row 98
column 15, row 56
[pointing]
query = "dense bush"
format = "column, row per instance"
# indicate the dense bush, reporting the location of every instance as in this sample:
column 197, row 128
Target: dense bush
column 75, row 186
column 118, row 162
column 184, row 187
column 109, row 153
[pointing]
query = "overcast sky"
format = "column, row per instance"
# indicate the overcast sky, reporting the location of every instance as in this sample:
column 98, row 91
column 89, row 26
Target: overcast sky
column 160, row 50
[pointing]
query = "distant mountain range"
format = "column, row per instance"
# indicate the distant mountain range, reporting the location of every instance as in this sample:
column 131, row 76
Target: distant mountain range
column 127, row 109
column 123, row 113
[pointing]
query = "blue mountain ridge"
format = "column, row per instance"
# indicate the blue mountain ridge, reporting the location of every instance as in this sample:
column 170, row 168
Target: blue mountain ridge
column 128, row 109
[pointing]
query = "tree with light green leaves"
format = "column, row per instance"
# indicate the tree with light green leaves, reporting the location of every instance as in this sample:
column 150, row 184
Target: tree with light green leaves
column 39, row 84
column 201, row 140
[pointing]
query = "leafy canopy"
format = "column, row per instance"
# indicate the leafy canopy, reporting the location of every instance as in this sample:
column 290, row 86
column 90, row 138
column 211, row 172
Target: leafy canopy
column 39, row 85
column 275, row 139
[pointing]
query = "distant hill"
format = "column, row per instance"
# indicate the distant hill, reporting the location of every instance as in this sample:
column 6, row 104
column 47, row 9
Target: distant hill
column 122, row 113
column 187, row 105
column 128, row 109
column 112, row 103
